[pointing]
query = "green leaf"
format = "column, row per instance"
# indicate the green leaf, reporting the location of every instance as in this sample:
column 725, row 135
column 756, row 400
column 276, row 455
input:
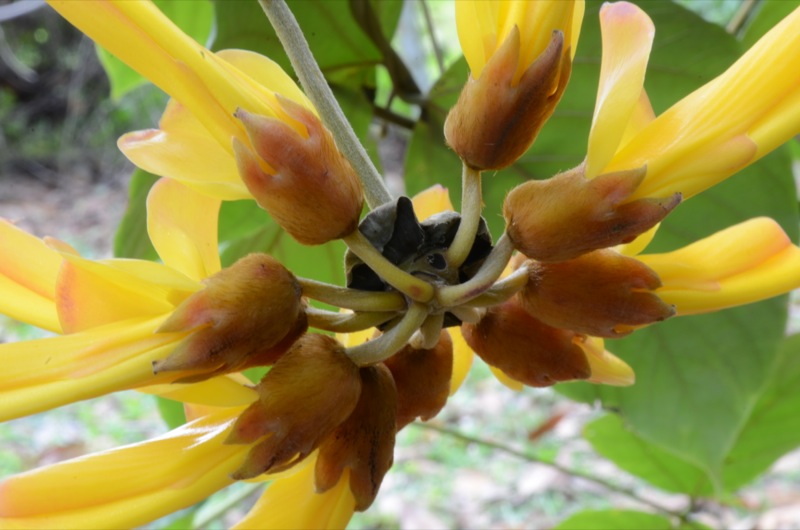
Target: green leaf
column 244, row 25
column 614, row 520
column 773, row 426
column 172, row 412
column 194, row 18
column 630, row 452
column 131, row 239
column 322, row 262
column 768, row 14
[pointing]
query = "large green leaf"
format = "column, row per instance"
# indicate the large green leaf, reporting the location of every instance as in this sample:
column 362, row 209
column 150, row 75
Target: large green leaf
column 771, row 430
column 194, row 18
column 630, row 452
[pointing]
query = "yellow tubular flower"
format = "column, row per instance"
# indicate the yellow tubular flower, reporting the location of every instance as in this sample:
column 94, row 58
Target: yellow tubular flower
column 520, row 57
column 174, row 471
column 484, row 26
column 745, row 263
column 710, row 134
column 193, row 144
column 109, row 308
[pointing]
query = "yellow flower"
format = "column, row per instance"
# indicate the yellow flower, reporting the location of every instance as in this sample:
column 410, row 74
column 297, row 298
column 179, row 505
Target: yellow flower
column 732, row 121
column 520, row 57
column 107, row 310
column 745, row 263
column 228, row 114
column 193, row 144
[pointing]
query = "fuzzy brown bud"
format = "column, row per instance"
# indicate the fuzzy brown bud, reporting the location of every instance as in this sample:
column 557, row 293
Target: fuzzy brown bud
column 526, row 349
column 312, row 389
column 496, row 120
column 568, row 215
column 423, row 380
column 310, row 190
column 247, row 315
column 364, row 443
column 602, row 293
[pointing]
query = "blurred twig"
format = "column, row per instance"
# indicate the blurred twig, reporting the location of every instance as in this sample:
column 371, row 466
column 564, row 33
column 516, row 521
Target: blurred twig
column 524, row 455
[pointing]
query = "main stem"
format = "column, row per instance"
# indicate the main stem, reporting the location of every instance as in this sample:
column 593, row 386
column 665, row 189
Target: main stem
column 320, row 94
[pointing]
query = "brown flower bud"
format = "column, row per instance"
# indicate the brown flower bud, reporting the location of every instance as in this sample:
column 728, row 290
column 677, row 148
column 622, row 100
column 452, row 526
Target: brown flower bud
column 310, row 189
column 567, row 215
column 526, row 349
column 602, row 293
column 247, row 315
column 423, row 380
column 496, row 120
column 311, row 390
column 364, row 443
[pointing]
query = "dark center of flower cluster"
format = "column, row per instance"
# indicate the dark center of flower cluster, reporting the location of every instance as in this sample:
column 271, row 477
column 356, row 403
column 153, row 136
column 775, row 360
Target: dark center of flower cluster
column 417, row 248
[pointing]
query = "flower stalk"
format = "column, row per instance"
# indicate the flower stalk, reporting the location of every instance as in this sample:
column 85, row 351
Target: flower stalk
column 471, row 206
column 318, row 91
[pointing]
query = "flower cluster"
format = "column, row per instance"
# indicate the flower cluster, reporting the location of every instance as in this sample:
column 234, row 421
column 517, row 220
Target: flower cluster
column 426, row 286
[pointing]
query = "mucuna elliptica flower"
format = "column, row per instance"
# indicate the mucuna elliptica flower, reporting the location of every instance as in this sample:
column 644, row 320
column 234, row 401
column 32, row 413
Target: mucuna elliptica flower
column 426, row 286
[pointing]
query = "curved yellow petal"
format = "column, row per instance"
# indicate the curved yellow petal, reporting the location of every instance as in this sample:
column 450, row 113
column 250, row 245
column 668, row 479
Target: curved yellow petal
column 639, row 244
column 431, row 201
column 184, row 150
column 145, row 39
column 94, row 293
column 745, row 263
column 483, row 27
column 230, row 390
column 462, row 359
column 627, row 34
column 607, row 368
column 42, row 374
column 182, row 225
column 28, row 274
column 292, row 503
column 129, row 486
column 266, row 73
column 753, row 106
column 501, row 376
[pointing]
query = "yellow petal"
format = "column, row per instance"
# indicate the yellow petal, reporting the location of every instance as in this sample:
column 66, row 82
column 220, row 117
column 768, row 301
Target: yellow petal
column 755, row 100
column 501, row 376
column 93, row 293
column 184, row 150
column 641, row 117
column 42, row 374
column 431, row 201
column 28, row 273
column 230, row 390
column 125, row 487
column 141, row 36
column 483, row 27
column 462, row 359
column 607, row 368
column 292, row 502
column 639, row 244
column 748, row 262
column 627, row 40
column 183, row 227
